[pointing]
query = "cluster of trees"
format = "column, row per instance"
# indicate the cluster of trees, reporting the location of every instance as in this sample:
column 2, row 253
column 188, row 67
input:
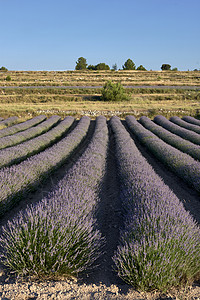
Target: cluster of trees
column 3, row 69
column 81, row 64
column 167, row 67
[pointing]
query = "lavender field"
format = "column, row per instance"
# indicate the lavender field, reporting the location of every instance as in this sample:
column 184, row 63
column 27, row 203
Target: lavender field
column 112, row 200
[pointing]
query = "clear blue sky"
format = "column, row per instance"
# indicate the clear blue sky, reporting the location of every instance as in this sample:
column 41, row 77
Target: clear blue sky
column 53, row 34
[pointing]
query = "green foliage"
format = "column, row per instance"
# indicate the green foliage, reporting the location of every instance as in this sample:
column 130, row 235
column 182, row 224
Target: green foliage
column 141, row 68
column 3, row 69
column 100, row 66
column 114, row 67
column 129, row 65
column 8, row 78
column 175, row 69
column 114, row 92
column 165, row 67
column 91, row 67
column 81, row 64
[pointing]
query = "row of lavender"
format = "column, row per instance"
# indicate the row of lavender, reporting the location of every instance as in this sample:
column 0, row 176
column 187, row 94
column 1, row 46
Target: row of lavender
column 22, row 126
column 15, row 154
column 180, row 163
column 9, row 121
column 17, row 180
column 185, row 133
column 59, row 235
column 171, row 138
column 17, row 138
column 160, row 241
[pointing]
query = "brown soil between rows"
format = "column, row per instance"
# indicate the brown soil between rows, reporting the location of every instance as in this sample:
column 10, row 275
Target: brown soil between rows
column 102, row 282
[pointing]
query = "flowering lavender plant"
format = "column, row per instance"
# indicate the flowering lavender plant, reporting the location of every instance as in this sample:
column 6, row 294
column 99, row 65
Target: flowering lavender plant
column 174, row 128
column 27, row 134
column 160, row 241
column 17, row 180
column 22, row 126
column 22, row 151
column 192, row 120
column 10, row 121
column 180, row 163
column 171, row 139
column 59, row 235
column 185, row 124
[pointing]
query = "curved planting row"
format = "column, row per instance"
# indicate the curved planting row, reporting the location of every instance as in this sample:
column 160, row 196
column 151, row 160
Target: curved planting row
column 160, row 241
column 59, row 235
column 191, row 120
column 17, row 180
column 184, row 133
column 172, row 139
column 180, row 163
column 185, row 124
column 22, row 151
column 9, row 121
column 17, row 138
column 22, row 126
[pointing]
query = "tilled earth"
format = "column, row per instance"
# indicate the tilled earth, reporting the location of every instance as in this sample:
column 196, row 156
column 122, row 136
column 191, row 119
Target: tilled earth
column 101, row 283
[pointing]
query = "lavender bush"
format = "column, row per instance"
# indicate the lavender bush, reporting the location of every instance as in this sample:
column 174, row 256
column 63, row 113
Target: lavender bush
column 180, row 163
column 160, row 241
column 24, row 150
column 17, row 138
column 59, row 235
column 172, row 139
column 8, row 122
column 191, row 120
column 184, row 133
column 17, row 180
column 22, row 126
column 185, row 124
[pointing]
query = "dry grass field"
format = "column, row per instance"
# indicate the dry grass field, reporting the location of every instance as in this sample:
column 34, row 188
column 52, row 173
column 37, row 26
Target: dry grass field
column 29, row 93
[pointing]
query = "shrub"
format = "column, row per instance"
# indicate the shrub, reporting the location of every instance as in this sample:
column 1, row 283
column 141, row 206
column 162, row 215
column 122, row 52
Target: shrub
column 165, row 67
column 8, row 78
column 3, row 69
column 114, row 92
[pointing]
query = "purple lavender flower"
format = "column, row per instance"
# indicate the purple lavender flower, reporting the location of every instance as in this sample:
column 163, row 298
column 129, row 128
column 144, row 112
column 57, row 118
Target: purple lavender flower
column 171, row 139
column 17, row 180
column 22, row 126
column 160, row 241
column 22, row 151
column 180, row 163
column 58, row 235
column 27, row 134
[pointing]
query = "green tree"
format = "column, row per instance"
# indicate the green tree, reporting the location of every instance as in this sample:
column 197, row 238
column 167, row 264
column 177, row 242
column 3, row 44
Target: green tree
column 91, row 67
column 141, row 68
column 3, row 69
column 165, row 67
column 129, row 65
column 81, row 64
column 175, row 69
column 114, row 67
column 102, row 66
column 114, row 92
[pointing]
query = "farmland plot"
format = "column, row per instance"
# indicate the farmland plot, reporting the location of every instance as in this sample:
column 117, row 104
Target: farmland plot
column 78, row 180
